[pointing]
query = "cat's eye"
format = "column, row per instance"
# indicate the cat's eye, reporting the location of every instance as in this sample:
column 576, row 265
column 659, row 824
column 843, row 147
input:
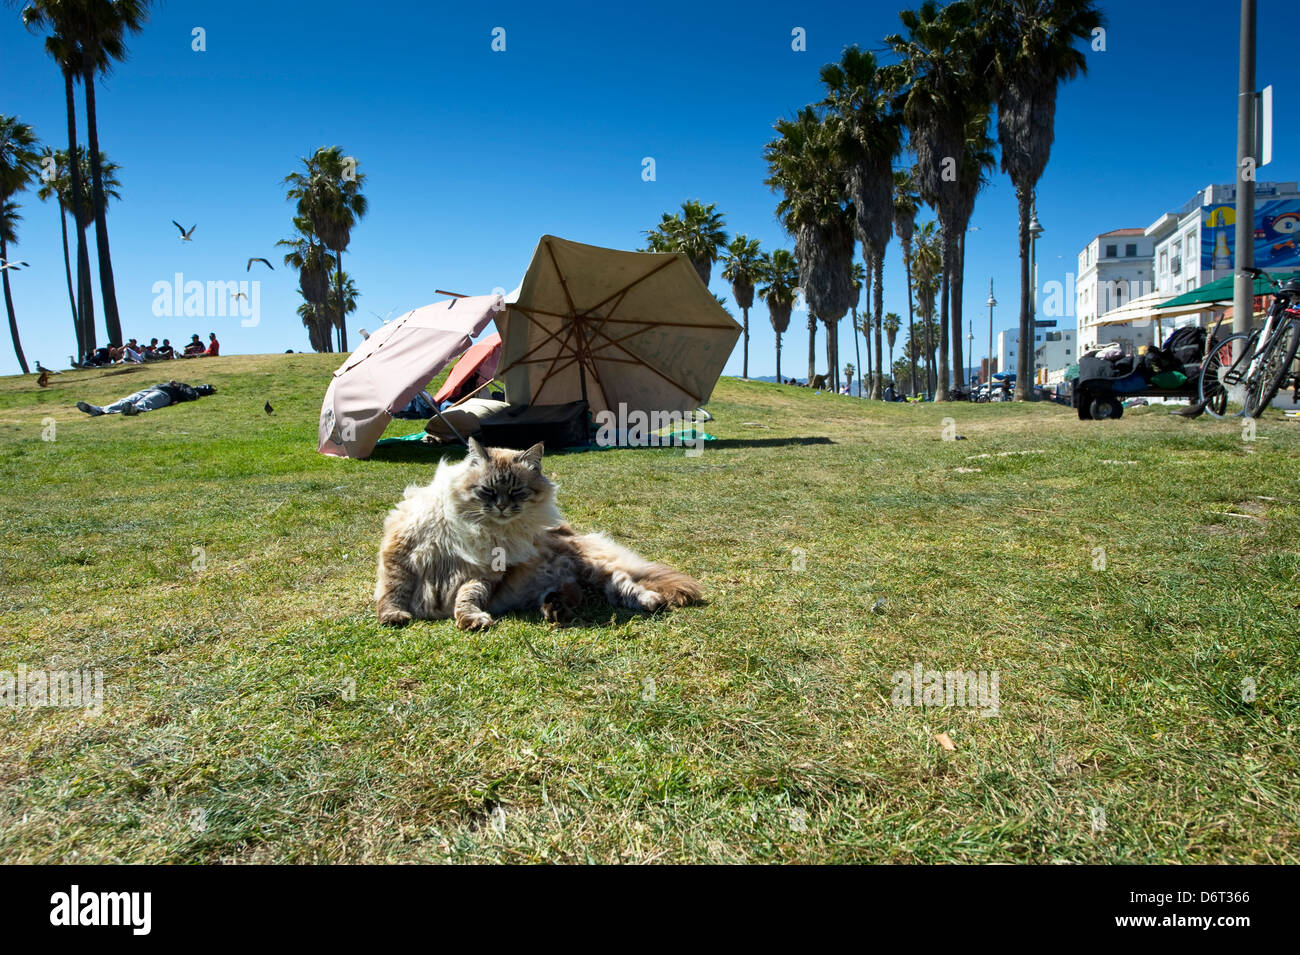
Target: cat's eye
column 484, row 493
column 521, row 495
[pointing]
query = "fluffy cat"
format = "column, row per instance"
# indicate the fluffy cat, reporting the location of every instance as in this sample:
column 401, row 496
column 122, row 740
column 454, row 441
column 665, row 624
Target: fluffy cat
column 485, row 537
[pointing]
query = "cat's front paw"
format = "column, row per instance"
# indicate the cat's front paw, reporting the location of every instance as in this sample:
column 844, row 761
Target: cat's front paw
column 474, row 620
column 390, row 617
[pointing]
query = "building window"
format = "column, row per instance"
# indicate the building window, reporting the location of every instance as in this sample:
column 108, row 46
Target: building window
column 1112, row 251
column 1131, row 250
column 1164, row 263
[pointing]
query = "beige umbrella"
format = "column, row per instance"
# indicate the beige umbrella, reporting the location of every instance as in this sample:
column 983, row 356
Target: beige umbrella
column 394, row 365
column 633, row 328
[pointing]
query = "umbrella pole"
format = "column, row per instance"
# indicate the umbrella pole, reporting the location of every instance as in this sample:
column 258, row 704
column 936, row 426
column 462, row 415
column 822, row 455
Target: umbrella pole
column 452, row 427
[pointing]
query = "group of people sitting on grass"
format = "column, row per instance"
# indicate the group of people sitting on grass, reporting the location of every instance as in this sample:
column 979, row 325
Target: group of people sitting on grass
column 132, row 351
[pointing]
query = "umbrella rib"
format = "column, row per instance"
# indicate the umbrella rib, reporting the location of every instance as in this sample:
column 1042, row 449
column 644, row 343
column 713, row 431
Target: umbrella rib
column 637, row 359
column 626, row 288
column 550, row 336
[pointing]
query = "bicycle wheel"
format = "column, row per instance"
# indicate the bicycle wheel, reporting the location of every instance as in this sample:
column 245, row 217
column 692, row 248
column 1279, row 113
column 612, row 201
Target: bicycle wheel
column 1222, row 384
column 1274, row 368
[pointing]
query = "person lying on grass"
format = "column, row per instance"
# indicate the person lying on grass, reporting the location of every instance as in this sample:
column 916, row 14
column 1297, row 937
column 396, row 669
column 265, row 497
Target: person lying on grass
column 150, row 399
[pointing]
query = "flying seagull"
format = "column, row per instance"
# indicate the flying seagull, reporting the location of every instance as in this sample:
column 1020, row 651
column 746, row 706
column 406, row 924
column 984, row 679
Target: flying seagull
column 185, row 236
column 239, row 295
column 13, row 265
column 249, row 268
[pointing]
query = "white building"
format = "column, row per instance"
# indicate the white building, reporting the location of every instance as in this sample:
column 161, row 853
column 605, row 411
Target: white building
column 1009, row 347
column 1054, row 355
column 1114, row 268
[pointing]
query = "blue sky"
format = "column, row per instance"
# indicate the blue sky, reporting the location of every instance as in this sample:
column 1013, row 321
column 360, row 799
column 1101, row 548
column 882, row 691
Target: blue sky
column 471, row 155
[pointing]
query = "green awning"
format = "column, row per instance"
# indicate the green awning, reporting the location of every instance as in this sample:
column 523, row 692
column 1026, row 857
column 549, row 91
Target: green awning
column 1220, row 290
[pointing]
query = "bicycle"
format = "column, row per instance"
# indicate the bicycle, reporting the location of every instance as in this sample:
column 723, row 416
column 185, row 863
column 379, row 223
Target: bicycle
column 1243, row 372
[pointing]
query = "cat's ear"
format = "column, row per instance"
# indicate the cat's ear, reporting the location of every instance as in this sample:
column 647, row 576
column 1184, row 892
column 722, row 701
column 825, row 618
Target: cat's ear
column 532, row 457
column 476, row 453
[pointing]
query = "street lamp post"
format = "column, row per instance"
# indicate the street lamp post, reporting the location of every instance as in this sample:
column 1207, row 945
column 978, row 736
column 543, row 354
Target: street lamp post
column 1035, row 230
column 970, row 346
column 988, row 374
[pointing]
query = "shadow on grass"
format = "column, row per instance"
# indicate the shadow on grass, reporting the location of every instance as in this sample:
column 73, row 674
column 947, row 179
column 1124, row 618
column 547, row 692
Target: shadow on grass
column 765, row 442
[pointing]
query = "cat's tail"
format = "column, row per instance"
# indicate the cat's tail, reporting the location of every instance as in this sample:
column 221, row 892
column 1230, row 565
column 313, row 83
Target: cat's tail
column 629, row 580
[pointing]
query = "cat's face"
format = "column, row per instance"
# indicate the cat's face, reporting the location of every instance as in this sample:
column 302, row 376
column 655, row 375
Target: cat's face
column 501, row 485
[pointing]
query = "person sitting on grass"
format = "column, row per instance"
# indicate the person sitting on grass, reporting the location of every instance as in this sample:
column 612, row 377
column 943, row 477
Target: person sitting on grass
column 149, row 399
column 195, row 347
column 165, row 350
column 214, row 346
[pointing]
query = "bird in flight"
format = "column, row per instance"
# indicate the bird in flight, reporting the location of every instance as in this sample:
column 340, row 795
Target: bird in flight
column 185, row 236
column 12, row 265
column 239, row 295
column 249, row 267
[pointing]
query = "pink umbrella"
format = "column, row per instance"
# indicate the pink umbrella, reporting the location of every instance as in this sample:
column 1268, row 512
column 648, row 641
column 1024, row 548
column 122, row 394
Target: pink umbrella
column 476, row 368
column 392, row 366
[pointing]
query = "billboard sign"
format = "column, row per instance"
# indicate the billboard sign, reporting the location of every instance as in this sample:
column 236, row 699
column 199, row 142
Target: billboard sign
column 1277, row 235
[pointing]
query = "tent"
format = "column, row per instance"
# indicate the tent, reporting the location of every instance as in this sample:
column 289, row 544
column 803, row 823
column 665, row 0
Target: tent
column 633, row 329
column 392, row 366
column 475, row 369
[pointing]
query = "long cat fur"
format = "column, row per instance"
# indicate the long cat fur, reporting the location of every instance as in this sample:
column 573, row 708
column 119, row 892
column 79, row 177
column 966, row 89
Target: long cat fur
column 485, row 538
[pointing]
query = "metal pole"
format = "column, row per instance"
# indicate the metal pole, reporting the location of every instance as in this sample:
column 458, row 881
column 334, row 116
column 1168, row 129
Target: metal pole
column 988, row 374
column 1243, row 296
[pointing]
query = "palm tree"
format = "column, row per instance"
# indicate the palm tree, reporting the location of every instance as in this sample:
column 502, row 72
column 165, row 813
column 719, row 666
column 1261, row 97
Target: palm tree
column 927, row 261
column 18, row 159
column 859, row 280
column 976, row 160
column 329, row 196
column 892, row 323
column 50, row 188
column 699, row 233
column 862, row 92
column 62, row 47
column 97, row 30
column 310, row 257
column 906, row 205
column 60, row 185
column 806, row 164
column 781, row 273
column 945, row 89
column 87, row 209
column 1033, row 43
column 744, row 266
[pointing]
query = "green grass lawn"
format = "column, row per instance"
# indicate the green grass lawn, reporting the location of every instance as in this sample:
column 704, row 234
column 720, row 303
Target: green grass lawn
column 1124, row 580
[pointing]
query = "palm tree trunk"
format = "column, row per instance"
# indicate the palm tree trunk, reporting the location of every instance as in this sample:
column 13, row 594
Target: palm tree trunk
column 866, row 334
column 779, row 381
column 744, row 372
column 9, row 307
column 942, row 376
column 67, row 268
column 879, row 386
column 343, row 314
column 1024, row 353
column 857, row 353
column 832, row 375
column 86, row 294
column 911, row 329
column 107, row 290
column 85, row 307
column 812, row 348
column 958, row 273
